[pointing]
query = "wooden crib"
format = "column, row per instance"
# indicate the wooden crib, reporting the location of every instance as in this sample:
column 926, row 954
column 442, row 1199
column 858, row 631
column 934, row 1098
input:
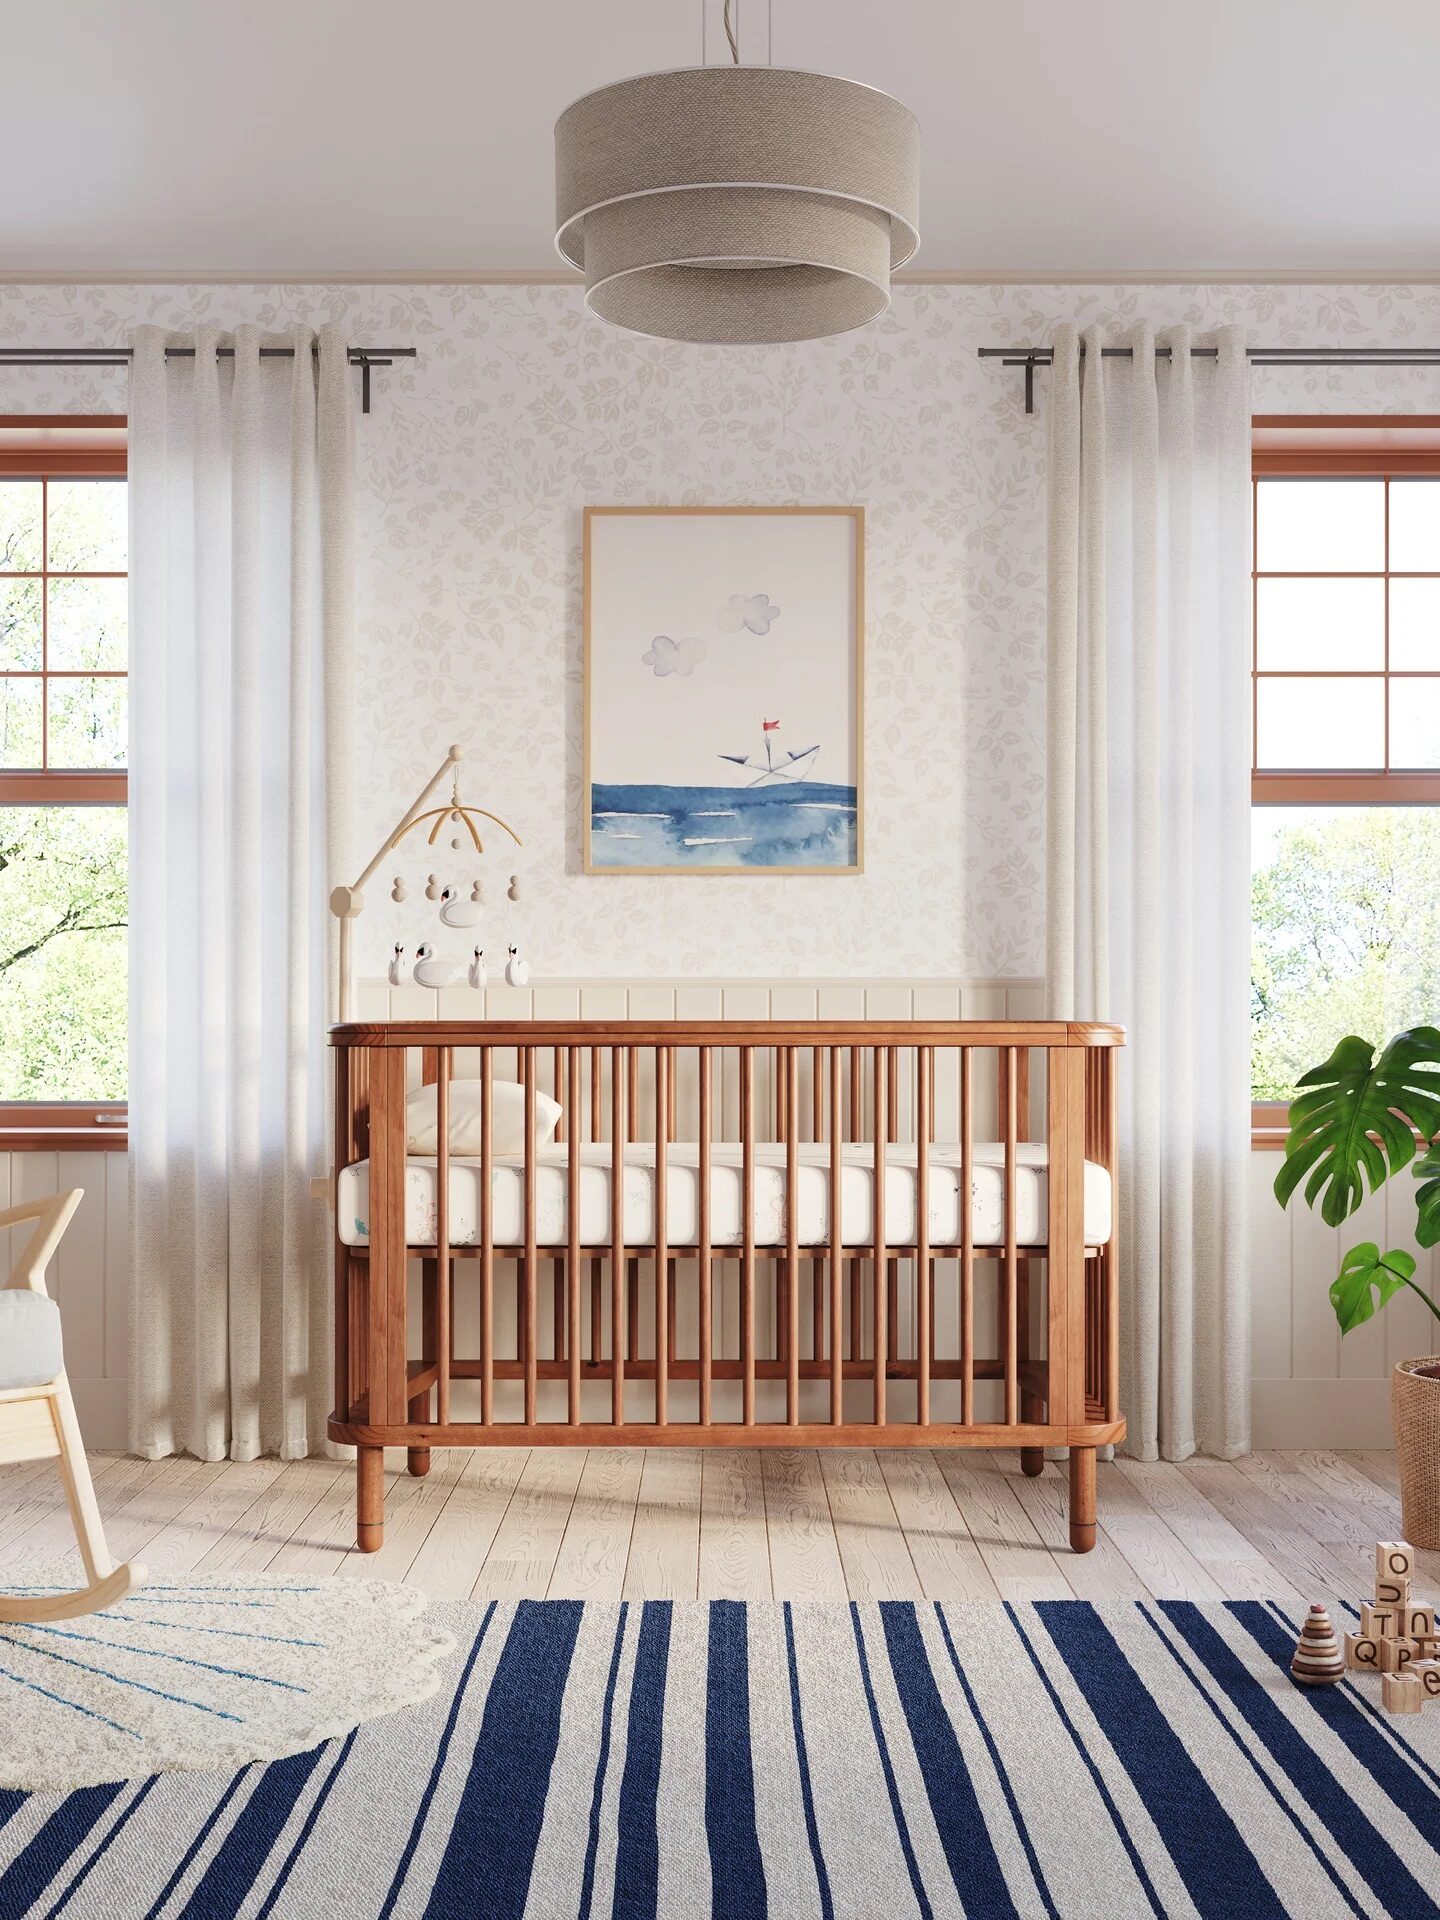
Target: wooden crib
column 759, row 1319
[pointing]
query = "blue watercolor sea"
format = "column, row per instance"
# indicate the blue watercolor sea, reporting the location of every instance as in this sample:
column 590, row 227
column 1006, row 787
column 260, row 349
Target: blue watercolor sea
column 800, row 824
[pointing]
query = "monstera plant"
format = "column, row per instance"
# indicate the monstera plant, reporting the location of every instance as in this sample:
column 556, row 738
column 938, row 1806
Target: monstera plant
column 1358, row 1120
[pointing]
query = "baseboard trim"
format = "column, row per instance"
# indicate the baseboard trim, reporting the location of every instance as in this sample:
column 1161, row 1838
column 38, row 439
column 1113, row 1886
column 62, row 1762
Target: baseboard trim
column 1289, row 1415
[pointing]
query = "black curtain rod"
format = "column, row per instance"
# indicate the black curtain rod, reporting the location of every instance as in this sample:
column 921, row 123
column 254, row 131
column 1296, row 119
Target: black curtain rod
column 1032, row 357
column 363, row 357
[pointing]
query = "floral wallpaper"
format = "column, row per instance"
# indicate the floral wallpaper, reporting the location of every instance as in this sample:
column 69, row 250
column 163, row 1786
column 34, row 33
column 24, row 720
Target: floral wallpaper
column 520, row 410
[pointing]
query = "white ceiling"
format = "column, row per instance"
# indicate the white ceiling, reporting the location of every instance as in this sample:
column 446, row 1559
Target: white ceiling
column 1241, row 138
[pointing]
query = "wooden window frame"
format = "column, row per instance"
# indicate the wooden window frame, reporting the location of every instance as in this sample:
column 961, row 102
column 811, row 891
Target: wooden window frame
column 1336, row 453
column 65, row 1126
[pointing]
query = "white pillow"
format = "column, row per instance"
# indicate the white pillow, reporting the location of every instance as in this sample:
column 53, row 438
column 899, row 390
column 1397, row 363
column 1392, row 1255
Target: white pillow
column 507, row 1110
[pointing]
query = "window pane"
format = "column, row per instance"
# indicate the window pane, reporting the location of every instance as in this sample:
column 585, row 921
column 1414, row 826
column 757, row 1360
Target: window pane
column 1415, row 723
column 1346, row 932
column 1321, row 723
column 1320, row 526
column 19, row 526
column 21, row 645
column 1415, row 624
column 1319, row 625
column 63, row 907
column 88, row 526
column 87, row 723
column 1415, row 526
column 88, row 620
column 20, row 744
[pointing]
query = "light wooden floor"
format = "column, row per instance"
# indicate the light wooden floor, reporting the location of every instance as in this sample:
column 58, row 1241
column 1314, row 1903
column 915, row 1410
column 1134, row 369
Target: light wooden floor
column 682, row 1524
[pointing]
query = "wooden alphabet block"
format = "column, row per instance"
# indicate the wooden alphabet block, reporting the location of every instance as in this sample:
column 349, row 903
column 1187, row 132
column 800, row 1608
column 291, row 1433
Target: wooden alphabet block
column 1380, row 1623
column 1401, row 1693
column 1396, row 1655
column 1394, row 1560
column 1427, row 1672
column 1416, row 1623
column 1362, row 1653
column 1392, row 1592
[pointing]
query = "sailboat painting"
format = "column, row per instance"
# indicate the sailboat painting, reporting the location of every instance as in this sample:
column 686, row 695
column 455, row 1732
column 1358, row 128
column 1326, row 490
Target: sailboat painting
column 723, row 690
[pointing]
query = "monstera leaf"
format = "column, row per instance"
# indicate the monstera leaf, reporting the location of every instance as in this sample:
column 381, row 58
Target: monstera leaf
column 1358, row 1112
column 1427, row 1198
column 1367, row 1280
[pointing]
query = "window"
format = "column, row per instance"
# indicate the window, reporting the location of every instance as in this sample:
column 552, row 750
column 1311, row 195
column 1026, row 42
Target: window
column 1346, row 743
column 63, row 710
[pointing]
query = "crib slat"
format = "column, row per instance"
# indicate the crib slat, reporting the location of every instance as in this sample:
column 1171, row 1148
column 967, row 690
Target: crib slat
column 967, row 1240
column 747, row 1249
column 855, row 1267
column 792, row 1236
column 572, row 1215
column 881, row 1291
column 837, row 1246
column 487, row 1243
column 662, row 1251
column 617, row 1236
column 1011, row 1272
column 444, row 1064
column 531, row 1329
column 923, row 1277
column 706, row 1304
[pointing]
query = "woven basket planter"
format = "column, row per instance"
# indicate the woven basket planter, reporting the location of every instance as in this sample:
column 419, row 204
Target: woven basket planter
column 1415, row 1410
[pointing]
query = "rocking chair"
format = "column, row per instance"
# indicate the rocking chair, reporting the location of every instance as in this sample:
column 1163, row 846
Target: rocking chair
column 37, row 1413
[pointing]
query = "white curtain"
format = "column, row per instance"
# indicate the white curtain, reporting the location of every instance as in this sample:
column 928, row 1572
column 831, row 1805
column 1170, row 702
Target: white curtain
column 241, row 611
column 1148, row 838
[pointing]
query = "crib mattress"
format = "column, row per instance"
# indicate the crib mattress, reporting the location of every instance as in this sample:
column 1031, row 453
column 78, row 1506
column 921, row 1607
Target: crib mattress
column 682, row 1189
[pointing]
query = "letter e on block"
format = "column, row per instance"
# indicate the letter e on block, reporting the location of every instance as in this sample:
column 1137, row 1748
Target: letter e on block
column 1401, row 1693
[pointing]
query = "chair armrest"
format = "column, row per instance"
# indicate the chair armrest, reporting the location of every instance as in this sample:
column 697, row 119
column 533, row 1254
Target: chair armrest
column 52, row 1215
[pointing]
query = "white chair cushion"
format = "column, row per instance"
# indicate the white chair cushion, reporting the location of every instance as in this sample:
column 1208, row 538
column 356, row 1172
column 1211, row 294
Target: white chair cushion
column 30, row 1353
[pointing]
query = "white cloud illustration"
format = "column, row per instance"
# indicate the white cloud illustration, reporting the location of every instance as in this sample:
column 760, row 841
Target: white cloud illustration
column 753, row 610
column 668, row 656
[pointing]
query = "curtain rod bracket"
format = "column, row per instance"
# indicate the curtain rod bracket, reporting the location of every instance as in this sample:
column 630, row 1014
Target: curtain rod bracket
column 1029, row 358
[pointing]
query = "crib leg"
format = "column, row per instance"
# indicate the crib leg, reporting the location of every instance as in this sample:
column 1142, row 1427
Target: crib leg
column 1032, row 1461
column 1082, row 1498
column 369, row 1498
column 417, row 1459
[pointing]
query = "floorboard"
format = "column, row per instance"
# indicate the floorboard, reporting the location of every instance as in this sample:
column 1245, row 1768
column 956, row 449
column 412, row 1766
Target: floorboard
column 788, row 1523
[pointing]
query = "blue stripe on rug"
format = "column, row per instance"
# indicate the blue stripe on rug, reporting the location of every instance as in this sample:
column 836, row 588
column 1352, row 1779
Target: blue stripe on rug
column 802, row 1759
column 1097, row 1778
column 497, row 1824
column 240, row 1858
column 407, row 1853
column 118, row 1825
column 597, row 1792
column 1002, row 1772
column 53, row 1847
column 1220, row 1873
column 888, row 1767
column 959, row 1820
column 737, row 1871
column 637, row 1860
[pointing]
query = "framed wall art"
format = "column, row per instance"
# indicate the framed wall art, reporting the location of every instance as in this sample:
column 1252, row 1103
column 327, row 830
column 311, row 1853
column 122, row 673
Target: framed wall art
column 724, row 721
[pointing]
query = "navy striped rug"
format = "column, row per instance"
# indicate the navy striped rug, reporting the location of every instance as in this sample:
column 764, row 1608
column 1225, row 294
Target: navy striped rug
column 843, row 1762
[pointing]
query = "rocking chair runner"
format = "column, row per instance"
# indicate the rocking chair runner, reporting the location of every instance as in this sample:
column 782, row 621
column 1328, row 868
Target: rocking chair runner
column 37, row 1413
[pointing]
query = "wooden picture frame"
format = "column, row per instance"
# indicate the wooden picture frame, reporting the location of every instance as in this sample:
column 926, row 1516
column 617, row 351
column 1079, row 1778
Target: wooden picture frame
column 678, row 649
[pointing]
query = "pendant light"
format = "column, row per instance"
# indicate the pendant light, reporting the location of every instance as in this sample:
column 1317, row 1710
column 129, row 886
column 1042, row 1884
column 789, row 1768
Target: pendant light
column 737, row 205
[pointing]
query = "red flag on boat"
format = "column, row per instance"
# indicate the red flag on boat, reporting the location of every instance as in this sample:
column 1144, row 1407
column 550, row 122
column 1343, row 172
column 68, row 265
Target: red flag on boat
column 768, row 725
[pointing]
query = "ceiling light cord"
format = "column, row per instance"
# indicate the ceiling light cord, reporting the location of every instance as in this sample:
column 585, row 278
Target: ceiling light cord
column 730, row 36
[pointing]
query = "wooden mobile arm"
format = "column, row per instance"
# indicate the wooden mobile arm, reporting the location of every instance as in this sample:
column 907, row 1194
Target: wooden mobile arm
column 348, row 903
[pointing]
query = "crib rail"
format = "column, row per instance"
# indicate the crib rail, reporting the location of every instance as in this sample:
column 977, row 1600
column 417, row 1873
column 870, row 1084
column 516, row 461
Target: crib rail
column 834, row 1342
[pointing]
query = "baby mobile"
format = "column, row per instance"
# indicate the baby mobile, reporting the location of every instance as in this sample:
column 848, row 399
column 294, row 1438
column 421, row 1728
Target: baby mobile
column 456, row 907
